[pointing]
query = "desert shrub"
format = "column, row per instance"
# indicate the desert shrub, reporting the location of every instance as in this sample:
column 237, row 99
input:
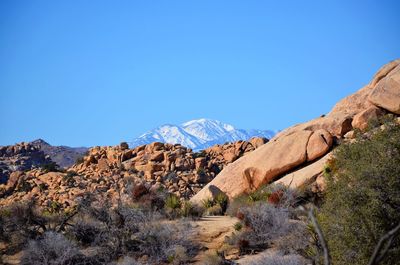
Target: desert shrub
column 222, row 201
column 177, row 255
column 43, row 187
column 124, row 145
column 214, row 210
column 260, row 194
column 122, row 231
column 362, row 200
column 213, row 258
column 276, row 194
column 165, row 241
column 79, row 160
column 172, row 206
column 207, row 203
column 138, row 191
column 238, row 226
column 235, row 204
column 22, row 222
column 24, row 186
column 200, row 153
column 85, row 232
column 52, row 248
column 265, row 223
column 297, row 241
column 69, row 177
column 187, row 209
column 191, row 210
column 51, row 167
column 217, row 205
column 127, row 261
column 110, row 232
column 173, row 202
column 276, row 258
column 201, row 171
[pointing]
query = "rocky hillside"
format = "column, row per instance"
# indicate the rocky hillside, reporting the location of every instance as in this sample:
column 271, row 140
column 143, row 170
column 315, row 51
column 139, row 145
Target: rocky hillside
column 20, row 157
column 293, row 157
column 108, row 172
column 64, row 156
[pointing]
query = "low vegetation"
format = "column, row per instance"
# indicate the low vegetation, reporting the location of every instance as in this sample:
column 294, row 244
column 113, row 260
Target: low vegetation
column 95, row 233
column 360, row 205
column 268, row 219
column 362, row 202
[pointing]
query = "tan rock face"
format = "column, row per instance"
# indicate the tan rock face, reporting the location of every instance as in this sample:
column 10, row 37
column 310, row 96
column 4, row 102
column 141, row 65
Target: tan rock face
column 305, row 175
column 257, row 141
column 318, row 144
column 261, row 166
column 384, row 71
column 361, row 119
column 310, row 140
column 386, row 93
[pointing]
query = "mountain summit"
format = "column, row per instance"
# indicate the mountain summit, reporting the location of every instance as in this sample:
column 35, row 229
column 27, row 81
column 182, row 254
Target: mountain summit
column 198, row 134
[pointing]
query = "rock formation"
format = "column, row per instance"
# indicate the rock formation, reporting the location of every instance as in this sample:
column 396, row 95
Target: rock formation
column 20, row 157
column 109, row 171
column 294, row 149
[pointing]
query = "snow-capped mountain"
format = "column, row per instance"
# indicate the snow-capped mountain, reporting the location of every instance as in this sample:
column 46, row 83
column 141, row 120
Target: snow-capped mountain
column 198, row 134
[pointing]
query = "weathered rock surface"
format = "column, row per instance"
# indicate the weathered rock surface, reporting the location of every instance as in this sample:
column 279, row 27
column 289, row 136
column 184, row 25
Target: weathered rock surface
column 386, row 93
column 304, row 143
column 20, row 157
column 318, row 144
column 361, row 119
column 267, row 162
column 108, row 172
column 305, row 175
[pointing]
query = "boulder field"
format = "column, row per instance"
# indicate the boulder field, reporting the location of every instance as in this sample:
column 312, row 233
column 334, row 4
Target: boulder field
column 111, row 171
column 296, row 156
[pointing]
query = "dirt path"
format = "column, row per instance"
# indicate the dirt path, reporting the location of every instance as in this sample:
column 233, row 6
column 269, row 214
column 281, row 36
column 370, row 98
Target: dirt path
column 210, row 233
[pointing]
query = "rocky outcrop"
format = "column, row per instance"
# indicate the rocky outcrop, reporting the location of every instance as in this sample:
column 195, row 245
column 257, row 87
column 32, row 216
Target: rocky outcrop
column 268, row 162
column 386, row 92
column 174, row 167
column 294, row 149
column 361, row 119
column 108, row 172
column 20, row 157
column 306, row 175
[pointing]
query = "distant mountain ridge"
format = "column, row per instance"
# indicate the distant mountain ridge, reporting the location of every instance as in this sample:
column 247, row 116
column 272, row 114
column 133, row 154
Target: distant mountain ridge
column 198, row 134
column 64, row 156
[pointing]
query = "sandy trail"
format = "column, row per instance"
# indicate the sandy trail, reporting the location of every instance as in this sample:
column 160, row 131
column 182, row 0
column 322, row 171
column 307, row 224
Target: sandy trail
column 210, row 233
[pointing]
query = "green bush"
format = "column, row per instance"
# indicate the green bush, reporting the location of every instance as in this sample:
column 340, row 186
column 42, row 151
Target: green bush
column 172, row 202
column 362, row 200
column 51, row 167
column 216, row 206
column 190, row 210
column 172, row 206
column 238, row 226
column 222, row 201
column 208, row 203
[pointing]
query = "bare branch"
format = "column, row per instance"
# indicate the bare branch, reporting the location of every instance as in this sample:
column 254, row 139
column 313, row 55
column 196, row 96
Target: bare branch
column 376, row 258
column 321, row 238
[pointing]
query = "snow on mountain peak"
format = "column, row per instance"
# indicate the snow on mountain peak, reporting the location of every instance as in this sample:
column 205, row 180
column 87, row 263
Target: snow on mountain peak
column 200, row 133
column 207, row 129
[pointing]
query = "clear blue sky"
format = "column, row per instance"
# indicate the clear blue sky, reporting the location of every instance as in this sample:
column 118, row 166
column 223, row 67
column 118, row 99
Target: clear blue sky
column 85, row 73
